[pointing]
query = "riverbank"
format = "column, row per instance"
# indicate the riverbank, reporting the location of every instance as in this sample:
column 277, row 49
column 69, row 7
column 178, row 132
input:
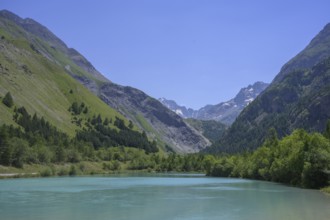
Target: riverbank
column 75, row 169
column 78, row 169
column 326, row 190
column 64, row 169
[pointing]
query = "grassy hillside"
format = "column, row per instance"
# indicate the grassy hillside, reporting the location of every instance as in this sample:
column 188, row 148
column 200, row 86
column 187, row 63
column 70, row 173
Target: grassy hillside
column 40, row 84
column 40, row 45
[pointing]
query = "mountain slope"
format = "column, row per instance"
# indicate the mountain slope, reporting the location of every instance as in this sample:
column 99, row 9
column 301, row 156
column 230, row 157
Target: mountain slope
column 224, row 112
column 317, row 50
column 182, row 111
column 296, row 99
column 39, row 84
column 227, row 112
column 45, row 42
column 153, row 117
column 39, row 41
column 212, row 130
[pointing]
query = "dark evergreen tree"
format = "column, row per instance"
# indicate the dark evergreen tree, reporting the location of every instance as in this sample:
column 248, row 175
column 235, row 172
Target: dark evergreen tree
column 8, row 100
column 85, row 110
column 119, row 123
column 130, row 125
column 271, row 138
column 327, row 130
column 106, row 122
column 4, row 145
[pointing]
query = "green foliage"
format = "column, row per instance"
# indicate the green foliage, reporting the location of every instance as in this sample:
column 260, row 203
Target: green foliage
column 301, row 99
column 73, row 170
column 300, row 159
column 18, row 148
column 36, row 141
column 101, row 135
column 36, row 129
column 326, row 190
column 77, row 109
column 46, row 172
column 212, row 130
column 43, row 85
column 327, row 130
column 8, row 100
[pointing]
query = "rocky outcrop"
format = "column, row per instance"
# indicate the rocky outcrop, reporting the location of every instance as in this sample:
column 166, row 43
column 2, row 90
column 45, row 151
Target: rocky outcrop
column 224, row 112
column 164, row 123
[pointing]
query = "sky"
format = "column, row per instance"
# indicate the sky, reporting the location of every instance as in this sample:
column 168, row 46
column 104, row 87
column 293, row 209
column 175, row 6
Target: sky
column 195, row 52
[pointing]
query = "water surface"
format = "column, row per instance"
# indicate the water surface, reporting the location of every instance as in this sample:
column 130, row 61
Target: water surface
column 157, row 198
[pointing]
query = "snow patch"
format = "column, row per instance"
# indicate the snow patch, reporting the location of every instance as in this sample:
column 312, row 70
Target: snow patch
column 248, row 100
column 179, row 112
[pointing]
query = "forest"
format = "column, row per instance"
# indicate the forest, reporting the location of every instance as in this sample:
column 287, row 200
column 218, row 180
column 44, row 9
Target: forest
column 300, row 159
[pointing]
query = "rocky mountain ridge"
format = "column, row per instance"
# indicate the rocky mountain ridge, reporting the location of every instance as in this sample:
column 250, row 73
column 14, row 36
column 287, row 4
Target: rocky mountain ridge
column 224, row 112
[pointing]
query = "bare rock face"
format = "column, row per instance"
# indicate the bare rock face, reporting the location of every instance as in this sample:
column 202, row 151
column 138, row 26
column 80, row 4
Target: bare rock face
column 164, row 123
column 224, row 112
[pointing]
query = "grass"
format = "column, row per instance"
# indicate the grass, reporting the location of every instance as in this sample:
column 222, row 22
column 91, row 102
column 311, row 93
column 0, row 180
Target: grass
column 326, row 190
column 65, row 169
column 41, row 85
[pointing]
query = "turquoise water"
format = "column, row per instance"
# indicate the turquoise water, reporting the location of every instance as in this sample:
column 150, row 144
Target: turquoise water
column 157, row 198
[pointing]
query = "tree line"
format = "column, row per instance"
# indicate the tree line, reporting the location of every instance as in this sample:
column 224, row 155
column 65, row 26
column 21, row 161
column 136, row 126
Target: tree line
column 300, row 159
column 35, row 140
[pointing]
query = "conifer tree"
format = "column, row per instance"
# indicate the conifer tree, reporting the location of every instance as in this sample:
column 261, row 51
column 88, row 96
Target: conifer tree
column 327, row 130
column 8, row 100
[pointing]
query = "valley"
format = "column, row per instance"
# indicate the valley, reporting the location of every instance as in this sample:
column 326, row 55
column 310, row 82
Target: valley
column 60, row 116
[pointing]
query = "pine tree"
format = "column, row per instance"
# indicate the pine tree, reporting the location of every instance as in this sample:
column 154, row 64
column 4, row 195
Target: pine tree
column 271, row 138
column 8, row 100
column 327, row 130
column 130, row 125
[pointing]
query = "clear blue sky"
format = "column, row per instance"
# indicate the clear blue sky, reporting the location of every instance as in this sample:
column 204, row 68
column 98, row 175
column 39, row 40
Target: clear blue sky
column 196, row 52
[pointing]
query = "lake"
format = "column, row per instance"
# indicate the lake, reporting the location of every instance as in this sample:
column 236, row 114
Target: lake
column 158, row 197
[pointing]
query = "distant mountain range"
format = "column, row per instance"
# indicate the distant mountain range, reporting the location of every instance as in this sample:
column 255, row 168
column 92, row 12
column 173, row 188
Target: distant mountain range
column 224, row 112
column 298, row 97
column 41, row 73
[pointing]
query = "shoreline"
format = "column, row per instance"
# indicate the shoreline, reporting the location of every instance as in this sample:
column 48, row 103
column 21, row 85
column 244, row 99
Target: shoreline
column 89, row 168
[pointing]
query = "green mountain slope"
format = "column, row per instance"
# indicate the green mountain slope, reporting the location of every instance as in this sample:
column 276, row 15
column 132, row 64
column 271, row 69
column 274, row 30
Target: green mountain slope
column 40, row 83
column 299, row 97
column 317, row 50
column 42, row 44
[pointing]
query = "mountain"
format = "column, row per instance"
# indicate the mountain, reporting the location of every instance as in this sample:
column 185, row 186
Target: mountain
column 298, row 97
column 43, row 52
column 153, row 117
column 30, row 70
column 227, row 112
column 224, row 112
column 316, row 51
column 212, row 130
column 182, row 111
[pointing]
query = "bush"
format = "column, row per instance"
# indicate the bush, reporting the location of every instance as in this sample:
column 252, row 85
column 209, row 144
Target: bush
column 46, row 172
column 73, row 170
